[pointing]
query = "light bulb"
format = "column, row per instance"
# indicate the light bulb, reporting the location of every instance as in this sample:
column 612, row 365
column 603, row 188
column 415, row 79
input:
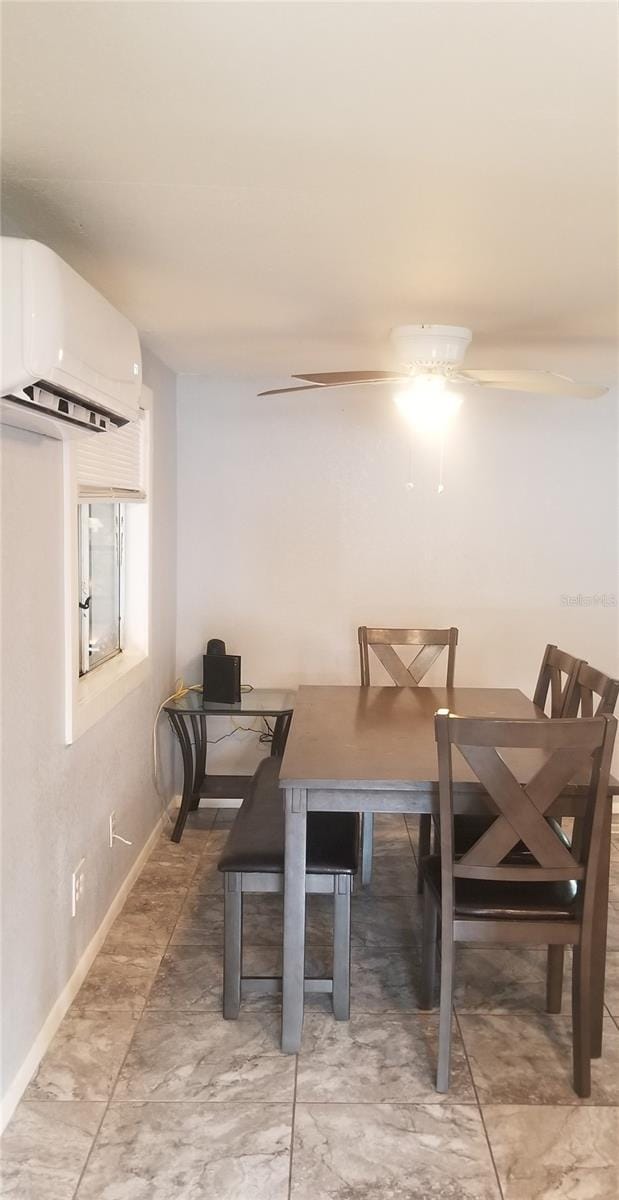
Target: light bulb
column 426, row 402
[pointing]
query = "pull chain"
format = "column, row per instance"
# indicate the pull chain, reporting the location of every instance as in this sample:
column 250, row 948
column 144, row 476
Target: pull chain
column 411, row 482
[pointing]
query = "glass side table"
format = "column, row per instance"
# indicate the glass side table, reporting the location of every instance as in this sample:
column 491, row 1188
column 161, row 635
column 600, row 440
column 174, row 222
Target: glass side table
column 188, row 717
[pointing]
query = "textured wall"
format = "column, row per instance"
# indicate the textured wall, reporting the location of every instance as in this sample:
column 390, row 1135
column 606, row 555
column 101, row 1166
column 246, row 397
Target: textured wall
column 56, row 799
column 295, row 526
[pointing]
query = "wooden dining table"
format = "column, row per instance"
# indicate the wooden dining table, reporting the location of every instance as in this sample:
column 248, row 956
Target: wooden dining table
column 372, row 749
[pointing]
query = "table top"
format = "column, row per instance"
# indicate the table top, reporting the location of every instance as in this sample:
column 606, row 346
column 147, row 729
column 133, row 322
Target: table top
column 382, row 738
column 268, row 702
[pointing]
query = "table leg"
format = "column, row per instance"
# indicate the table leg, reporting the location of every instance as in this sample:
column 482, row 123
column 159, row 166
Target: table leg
column 294, row 920
column 184, row 739
column 598, row 958
column 367, row 847
column 198, row 725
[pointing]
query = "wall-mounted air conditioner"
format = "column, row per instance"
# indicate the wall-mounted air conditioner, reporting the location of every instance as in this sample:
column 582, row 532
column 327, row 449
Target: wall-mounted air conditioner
column 71, row 363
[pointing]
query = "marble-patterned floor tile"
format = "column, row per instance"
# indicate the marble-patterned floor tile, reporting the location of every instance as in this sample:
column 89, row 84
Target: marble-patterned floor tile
column 166, row 850
column 188, row 977
column 208, row 881
column 44, row 1148
column 201, row 921
column 200, row 819
column 216, row 841
column 502, row 978
column 225, row 817
column 146, row 922
column 526, row 1058
column 158, row 877
column 191, row 977
column 385, row 980
column 199, row 1056
column 611, row 991
column 390, row 1152
column 191, row 1152
column 394, row 873
column 613, row 882
column 382, row 921
column 576, row 1151
column 84, row 1058
column 376, row 1058
column 117, row 983
column 612, row 938
column 389, row 827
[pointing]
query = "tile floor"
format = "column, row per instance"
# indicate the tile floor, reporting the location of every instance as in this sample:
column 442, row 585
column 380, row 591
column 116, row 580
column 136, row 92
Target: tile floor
column 147, row 1094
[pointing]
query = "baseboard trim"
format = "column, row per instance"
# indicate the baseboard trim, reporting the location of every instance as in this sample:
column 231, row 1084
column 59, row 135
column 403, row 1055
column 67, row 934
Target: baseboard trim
column 21, row 1080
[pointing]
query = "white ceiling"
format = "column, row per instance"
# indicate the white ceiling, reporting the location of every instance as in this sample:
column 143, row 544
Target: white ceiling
column 266, row 188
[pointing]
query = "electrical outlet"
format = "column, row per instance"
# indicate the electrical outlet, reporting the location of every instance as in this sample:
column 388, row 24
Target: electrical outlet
column 78, row 879
column 112, row 829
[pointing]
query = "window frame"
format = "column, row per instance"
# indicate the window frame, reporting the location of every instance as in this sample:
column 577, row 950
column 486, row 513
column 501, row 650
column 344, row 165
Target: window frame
column 84, row 552
column 91, row 696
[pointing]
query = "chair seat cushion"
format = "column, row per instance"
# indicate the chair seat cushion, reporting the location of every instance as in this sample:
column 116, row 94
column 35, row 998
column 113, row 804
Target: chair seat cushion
column 256, row 840
column 479, row 898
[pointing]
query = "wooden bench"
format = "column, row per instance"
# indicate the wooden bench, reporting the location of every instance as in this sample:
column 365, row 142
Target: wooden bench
column 253, row 862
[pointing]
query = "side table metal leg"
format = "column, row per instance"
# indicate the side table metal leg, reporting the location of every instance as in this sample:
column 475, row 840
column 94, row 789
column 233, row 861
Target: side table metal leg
column 182, row 734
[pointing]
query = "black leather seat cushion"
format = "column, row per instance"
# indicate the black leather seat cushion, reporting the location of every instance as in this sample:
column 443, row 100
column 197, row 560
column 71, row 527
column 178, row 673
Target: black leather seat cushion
column 256, row 840
column 479, row 898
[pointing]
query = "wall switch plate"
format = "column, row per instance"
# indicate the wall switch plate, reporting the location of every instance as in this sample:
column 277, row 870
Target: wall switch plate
column 112, row 829
column 77, row 885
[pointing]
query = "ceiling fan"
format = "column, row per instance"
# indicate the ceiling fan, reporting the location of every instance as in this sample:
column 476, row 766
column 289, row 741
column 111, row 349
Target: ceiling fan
column 431, row 356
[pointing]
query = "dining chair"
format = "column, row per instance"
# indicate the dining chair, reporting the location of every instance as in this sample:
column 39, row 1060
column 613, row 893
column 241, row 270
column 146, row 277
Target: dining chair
column 557, row 677
column 588, row 684
column 382, row 642
column 485, row 897
column 253, row 861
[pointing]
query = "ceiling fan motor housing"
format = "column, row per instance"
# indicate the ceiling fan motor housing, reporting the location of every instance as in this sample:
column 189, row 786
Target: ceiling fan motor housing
column 428, row 346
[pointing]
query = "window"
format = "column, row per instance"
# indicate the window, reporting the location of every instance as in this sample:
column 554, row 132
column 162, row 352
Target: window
column 107, row 532
column 101, row 584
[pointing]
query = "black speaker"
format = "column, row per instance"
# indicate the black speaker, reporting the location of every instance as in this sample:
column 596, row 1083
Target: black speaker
column 221, row 680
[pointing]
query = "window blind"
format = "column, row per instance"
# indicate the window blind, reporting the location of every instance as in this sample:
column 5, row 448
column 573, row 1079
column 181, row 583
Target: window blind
column 112, row 466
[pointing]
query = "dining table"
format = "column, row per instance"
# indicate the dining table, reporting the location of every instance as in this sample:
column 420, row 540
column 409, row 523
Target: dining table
column 372, row 750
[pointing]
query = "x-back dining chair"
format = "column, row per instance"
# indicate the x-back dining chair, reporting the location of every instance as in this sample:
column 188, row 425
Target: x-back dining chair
column 557, row 679
column 547, row 898
column 592, row 693
column 429, row 644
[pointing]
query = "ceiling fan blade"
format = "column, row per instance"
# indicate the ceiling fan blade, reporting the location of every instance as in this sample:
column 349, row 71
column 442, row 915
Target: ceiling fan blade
column 335, row 378
column 308, row 387
column 541, row 383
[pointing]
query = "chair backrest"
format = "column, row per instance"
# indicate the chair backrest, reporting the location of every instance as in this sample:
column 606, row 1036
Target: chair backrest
column 577, row 746
column 557, row 674
column 588, row 684
column 431, row 643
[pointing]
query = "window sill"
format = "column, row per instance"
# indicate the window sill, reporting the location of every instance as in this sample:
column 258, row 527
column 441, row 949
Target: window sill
column 96, row 695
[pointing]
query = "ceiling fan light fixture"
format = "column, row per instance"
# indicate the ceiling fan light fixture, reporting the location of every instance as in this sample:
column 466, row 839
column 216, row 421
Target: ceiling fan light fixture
column 426, row 403
column 431, row 346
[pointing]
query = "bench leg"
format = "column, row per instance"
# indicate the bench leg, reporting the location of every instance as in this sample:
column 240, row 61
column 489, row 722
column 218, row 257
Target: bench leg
column 233, row 943
column 341, row 948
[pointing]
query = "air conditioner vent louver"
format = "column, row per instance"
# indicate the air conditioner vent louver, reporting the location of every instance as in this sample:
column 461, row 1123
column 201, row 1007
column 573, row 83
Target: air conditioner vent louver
column 40, row 400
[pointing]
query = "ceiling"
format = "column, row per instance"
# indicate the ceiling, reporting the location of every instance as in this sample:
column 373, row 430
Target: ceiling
column 270, row 187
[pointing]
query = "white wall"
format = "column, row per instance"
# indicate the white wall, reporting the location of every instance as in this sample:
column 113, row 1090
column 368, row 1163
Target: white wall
column 56, row 799
column 295, row 526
